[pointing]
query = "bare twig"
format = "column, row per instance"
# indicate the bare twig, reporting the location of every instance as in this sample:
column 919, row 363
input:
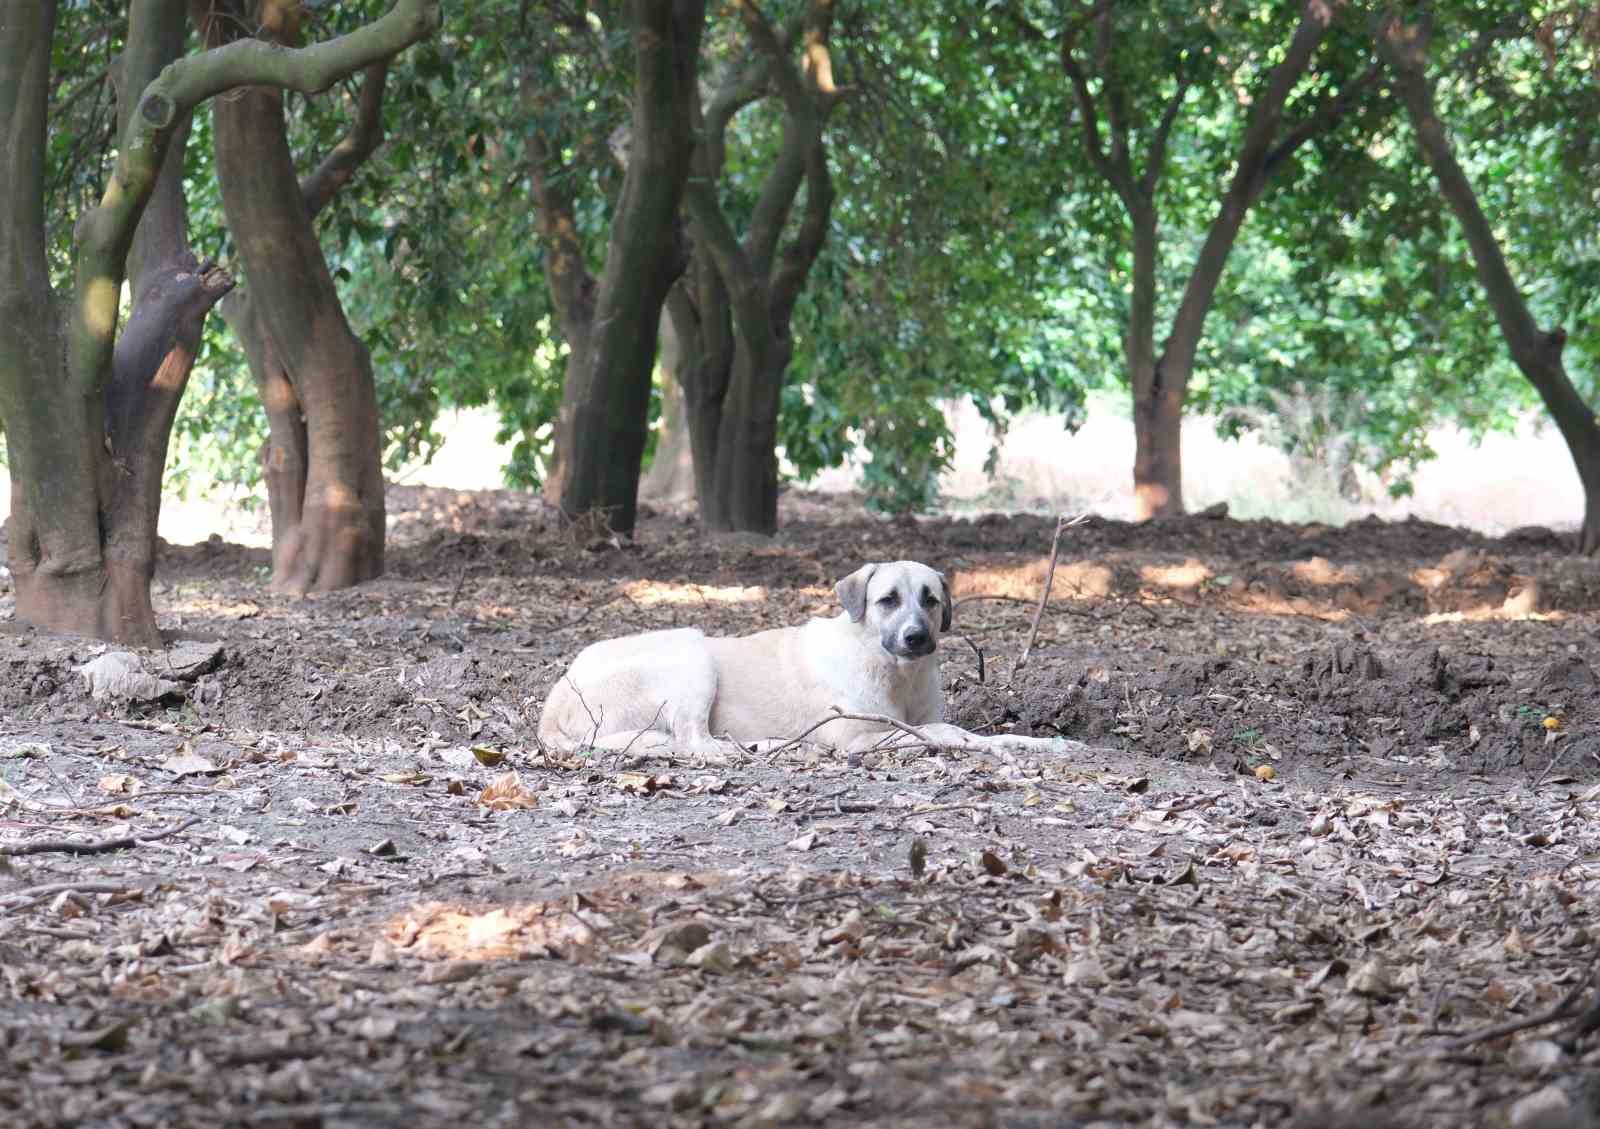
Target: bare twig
column 1062, row 522
column 1565, row 1008
column 839, row 715
column 987, row 596
column 91, row 846
column 623, row 752
column 1555, row 759
column 22, row 899
column 979, row 653
column 590, row 610
column 964, row 806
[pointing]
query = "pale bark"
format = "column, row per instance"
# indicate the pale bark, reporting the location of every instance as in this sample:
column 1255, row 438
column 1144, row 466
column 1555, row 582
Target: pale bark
column 671, row 474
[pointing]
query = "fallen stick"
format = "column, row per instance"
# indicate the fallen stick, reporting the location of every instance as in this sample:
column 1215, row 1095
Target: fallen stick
column 1062, row 522
column 1565, row 1008
column 22, row 899
column 839, row 715
column 91, row 846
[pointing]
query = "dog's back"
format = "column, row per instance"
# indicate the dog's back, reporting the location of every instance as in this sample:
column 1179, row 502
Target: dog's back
column 618, row 685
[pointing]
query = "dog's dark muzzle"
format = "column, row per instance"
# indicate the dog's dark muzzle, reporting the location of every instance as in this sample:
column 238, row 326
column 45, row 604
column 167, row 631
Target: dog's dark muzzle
column 912, row 643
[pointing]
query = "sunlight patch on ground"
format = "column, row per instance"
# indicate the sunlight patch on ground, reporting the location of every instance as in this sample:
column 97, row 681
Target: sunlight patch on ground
column 441, row 932
column 1318, row 570
column 646, row 593
column 1190, row 574
column 1076, row 580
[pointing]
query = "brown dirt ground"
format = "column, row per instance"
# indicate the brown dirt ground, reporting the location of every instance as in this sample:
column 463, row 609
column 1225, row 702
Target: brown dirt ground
column 392, row 908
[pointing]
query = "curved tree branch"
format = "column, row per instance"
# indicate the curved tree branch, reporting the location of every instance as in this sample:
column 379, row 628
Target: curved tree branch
column 1116, row 172
column 802, row 125
column 1320, row 120
column 1157, row 157
column 1536, row 352
column 106, row 231
column 789, row 276
column 718, row 240
column 320, row 186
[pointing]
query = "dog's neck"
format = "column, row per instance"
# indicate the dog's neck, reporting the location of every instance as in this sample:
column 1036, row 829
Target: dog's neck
column 891, row 684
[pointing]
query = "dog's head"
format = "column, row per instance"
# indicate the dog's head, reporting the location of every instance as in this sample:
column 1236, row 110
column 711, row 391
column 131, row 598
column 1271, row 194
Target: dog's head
column 907, row 603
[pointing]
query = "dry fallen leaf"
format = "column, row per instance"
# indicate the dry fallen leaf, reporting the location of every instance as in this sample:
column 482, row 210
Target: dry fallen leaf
column 184, row 763
column 1371, row 980
column 642, row 783
column 714, row 956
column 405, row 777
column 1087, row 971
column 505, row 793
column 113, row 1037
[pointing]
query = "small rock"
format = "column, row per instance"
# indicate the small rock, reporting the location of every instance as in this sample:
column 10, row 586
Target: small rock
column 1371, row 980
column 1549, row 1108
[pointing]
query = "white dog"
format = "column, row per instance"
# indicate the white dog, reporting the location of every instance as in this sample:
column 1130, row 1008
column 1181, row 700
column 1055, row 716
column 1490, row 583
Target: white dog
column 684, row 690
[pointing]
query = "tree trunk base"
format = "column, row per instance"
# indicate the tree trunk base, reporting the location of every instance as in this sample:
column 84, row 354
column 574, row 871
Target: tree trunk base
column 111, row 602
column 332, row 546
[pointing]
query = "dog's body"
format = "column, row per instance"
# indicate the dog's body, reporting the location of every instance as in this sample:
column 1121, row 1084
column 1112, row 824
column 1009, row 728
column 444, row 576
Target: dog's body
column 686, row 690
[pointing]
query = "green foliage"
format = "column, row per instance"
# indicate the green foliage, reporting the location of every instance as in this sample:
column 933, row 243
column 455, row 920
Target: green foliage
column 972, row 253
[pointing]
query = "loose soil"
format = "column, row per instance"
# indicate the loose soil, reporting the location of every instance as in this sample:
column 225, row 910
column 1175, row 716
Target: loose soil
column 1336, row 818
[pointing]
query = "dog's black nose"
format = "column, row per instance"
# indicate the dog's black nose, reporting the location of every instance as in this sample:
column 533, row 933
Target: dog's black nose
column 915, row 637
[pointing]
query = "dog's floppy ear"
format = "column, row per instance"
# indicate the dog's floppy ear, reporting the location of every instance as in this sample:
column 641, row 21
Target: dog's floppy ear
column 852, row 592
column 949, row 604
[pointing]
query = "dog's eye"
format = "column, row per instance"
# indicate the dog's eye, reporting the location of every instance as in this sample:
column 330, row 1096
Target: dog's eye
column 929, row 600
column 889, row 600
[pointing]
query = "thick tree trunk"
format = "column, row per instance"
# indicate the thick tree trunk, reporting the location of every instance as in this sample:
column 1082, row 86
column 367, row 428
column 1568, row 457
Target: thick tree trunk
column 745, row 289
column 150, row 368
column 86, row 415
column 324, row 460
column 611, row 322
column 53, row 430
column 1536, row 352
column 746, row 477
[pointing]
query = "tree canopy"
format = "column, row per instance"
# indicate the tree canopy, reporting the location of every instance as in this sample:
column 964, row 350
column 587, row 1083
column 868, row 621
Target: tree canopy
column 991, row 173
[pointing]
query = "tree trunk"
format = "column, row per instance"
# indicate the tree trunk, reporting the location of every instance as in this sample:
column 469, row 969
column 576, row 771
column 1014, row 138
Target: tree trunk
column 324, row 457
column 286, row 455
column 745, row 290
column 746, row 482
column 1157, row 413
column 1161, row 383
column 86, row 415
column 671, row 474
column 1536, row 352
column 109, row 595
column 611, row 323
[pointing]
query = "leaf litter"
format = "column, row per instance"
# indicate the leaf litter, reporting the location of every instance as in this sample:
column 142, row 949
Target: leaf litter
column 395, row 908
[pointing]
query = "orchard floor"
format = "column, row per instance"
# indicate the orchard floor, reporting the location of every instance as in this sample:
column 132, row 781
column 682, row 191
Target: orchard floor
column 1340, row 816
